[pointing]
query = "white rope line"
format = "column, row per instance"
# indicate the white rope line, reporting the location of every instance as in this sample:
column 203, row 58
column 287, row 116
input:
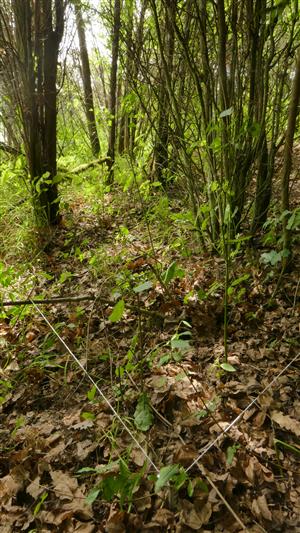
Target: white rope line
column 97, row 388
column 239, row 417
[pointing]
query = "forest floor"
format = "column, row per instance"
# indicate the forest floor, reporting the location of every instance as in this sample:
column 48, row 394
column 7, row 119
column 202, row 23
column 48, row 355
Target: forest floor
column 152, row 342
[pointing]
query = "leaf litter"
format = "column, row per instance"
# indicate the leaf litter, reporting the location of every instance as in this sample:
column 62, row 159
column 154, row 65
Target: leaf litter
column 66, row 464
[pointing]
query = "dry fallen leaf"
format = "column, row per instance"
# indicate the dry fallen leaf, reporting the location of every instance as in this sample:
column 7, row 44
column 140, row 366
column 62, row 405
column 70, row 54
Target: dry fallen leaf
column 260, row 508
column 34, row 488
column 193, row 518
column 286, row 422
column 64, row 485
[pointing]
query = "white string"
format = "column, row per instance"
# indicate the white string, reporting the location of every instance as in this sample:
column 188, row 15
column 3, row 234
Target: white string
column 97, row 387
column 239, row 417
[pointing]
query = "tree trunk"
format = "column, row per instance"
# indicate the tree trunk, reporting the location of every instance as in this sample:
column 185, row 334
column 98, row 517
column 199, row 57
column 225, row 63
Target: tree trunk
column 86, row 80
column 161, row 152
column 38, row 30
column 113, row 89
column 287, row 161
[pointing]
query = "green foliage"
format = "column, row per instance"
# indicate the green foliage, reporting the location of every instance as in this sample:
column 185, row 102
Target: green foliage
column 143, row 415
column 227, row 367
column 40, row 502
column 142, row 287
column 5, row 389
column 174, row 474
column 117, row 482
column 173, row 272
column 117, row 311
column 231, row 452
column 273, row 258
column 7, row 275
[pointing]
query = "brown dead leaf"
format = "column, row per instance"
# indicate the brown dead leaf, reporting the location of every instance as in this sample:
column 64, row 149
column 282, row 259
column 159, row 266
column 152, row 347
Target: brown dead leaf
column 260, row 508
column 57, row 450
column 137, row 456
column 9, row 486
column 85, row 528
column 185, row 455
column 64, row 485
column 164, row 517
column 34, row 488
column 260, row 418
column 286, row 422
column 31, row 335
column 84, row 448
column 192, row 518
column 116, row 522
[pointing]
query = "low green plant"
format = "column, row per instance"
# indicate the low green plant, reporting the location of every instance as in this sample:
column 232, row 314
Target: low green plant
column 116, row 481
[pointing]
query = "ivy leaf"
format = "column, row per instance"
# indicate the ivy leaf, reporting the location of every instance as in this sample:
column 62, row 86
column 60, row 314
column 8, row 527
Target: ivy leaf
column 166, row 474
column 117, row 311
column 143, row 416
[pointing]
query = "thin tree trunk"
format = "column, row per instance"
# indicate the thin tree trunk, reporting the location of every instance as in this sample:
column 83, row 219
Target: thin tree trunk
column 287, row 161
column 113, row 89
column 87, row 84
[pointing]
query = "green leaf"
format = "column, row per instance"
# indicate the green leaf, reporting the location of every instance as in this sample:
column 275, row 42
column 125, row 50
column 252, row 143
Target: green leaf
column 87, row 470
column 227, row 214
column 237, row 281
column 180, row 479
column 91, row 393
column 214, row 185
column 143, row 287
column 173, row 272
column 87, row 415
column 227, row 367
column 92, row 495
column 165, row 475
column 180, row 344
column 117, row 311
column 289, row 447
column 101, row 469
column 231, row 451
column 64, row 276
column 226, row 112
column 294, row 220
column 271, row 257
column 40, row 503
column 143, row 416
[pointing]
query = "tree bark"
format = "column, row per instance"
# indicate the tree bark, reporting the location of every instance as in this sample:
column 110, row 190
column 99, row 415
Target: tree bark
column 38, row 30
column 287, row 161
column 87, row 84
column 113, row 89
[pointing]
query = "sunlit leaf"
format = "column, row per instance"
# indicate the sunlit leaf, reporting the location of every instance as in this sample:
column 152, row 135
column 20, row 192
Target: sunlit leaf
column 117, row 311
column 165, row 475
column 227, row 367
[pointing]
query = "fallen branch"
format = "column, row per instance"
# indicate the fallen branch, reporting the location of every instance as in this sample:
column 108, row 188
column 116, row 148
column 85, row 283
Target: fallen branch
column 86, row 166
column 87, row 298
column 49, row 300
